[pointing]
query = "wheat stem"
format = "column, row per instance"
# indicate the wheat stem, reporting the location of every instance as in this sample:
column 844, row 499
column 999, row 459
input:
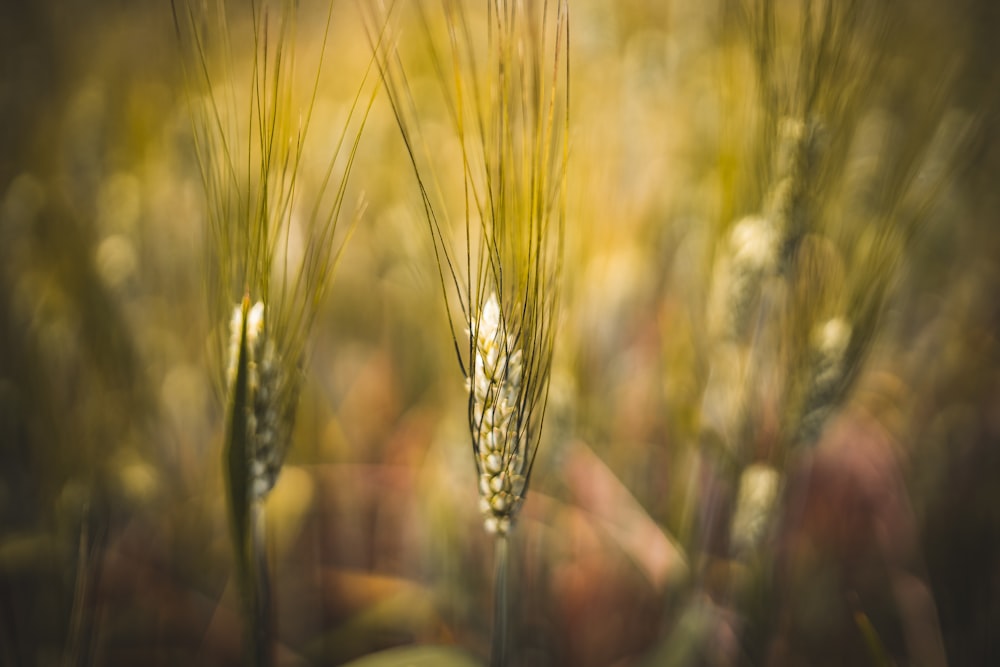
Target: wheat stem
column 263, row 619
column 498, row 650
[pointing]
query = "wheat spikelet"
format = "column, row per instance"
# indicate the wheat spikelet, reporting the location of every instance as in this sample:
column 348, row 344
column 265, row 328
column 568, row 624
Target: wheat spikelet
column 494, row 387
column 268, row 422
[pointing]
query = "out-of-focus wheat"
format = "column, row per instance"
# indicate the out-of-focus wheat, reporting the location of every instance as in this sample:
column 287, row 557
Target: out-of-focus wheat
column 801, row 279
column 273, row 240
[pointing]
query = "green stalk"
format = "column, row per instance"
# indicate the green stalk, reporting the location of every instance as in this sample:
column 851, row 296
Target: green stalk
column 263, row 629
column 498, row 650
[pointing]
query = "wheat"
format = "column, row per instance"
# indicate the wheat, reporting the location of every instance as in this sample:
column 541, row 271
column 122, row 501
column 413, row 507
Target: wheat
column 495, row 386
column 501, row 276
column 251, row 157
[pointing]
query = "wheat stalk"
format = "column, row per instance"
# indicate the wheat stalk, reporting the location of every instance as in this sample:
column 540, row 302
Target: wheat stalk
column 251, row 156
column 500, row 273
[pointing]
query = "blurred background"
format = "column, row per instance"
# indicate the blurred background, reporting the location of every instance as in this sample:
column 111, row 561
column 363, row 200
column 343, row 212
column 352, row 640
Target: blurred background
column 774, row 422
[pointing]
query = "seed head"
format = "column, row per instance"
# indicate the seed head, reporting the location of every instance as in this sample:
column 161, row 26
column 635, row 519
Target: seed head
column 755, row 501
column 750, row 256
column 503, row 274
column 829, row 344
column 494, row 393
column 270, row 407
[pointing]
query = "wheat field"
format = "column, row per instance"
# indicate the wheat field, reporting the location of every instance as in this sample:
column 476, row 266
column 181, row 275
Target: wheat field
column 503, row 332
